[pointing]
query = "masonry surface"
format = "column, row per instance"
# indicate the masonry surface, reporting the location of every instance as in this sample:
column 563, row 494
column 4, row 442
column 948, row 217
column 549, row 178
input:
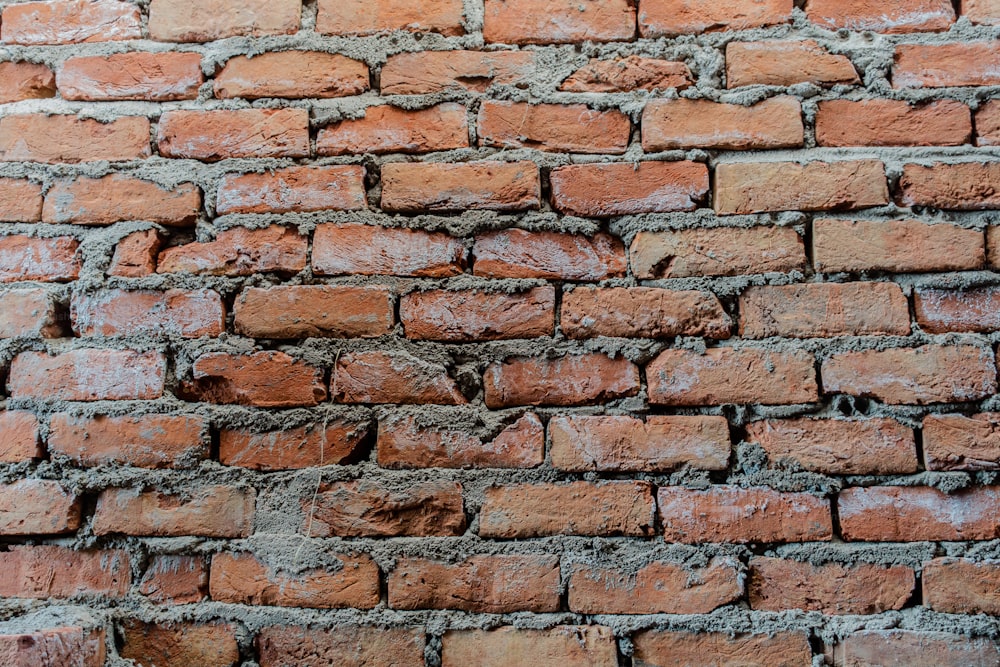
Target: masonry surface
column 499, row 333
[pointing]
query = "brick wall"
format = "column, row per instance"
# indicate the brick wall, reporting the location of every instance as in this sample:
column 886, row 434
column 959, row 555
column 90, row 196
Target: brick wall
column 499, row 332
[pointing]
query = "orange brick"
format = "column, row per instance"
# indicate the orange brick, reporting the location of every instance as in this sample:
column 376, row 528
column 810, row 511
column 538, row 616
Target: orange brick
column 720, row 251
column 984, row 12
column 175, row 579
column 568, row 128
column 962, row 586
column 344, row 645
column 59, row 572
column 367, row 17
column 47, row 260
column 558, row 21
column 517, row 253
column 19, row 437
column 30, row 313
column 626, row 74
column 179, row 644
column 786, row 64
column 20, row 200
column 87, row 375
column 70, row 22
column 915, row 649
column 239, row 251
column 365, row 508
column 566, row 645
column 53, row 647
column 427, row 72
column 293, row 190
column 135, row 255
column 604, row 190
column 207, row 20
column 291, row 74
column 147, row 441
column 243, row 133
column 973, row 310
column 392, row 377
column 642, row 312
column 580, row 379
column 405, row 443
column 206, row 511
column 262, row 379
column 683, row 123
column 306, row 311
column 37, row 507
column 118, row 198
column 918, row 513
column 349, row 249
column 659, row 18
column 438, row 188
column 987, row 121
column 331, row 442
column 892, row 123
column 25, row 81
column 468, row 315
column 114, row 312
column 665, row 648
column 960, row 442
column 967, row 186
column 971, row 63
column 891, row 16
column 387, row 129
column 64, row 138
column 152, row 77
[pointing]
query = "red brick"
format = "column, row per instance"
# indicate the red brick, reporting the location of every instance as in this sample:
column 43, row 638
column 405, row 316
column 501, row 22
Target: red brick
column 70, row 22
column 246, row 133
column 776, row 585
column 343, row 645
column 206, row 511
column 29, row 313
column 683, row 123
column 25, row 81
column 985, row 12
column 294, row 190
column 262, row 379
column 392, row 377
column 628, row 444
column 604, row 190
column 923, row 375
column 900, row 246
column 786, row 64
column 824, row 309
column 175, row 579
column 41, row 259
column 992, row 246
column 349, row 249
column 468, row 315
column 53, row 647
column 404, row 442
column 365, row 508
column 114, row 312
column 290, row 448
column 892, row 123
column 940, row 311
column 37, row 507
column 179, row 644
column 20, row 200
column 64, row 138
column 147, row 441
column 388, row 129
column 135, row 254
column 117, row 198
column 305, row 311
column 961, row 442
column 499, row 584
column 291, row 74
column 962, row 586
column 987, row 120
column 558, row 21
column 152, row 77
column 428, row 72
column 718, row 251
column 742, row 515
column 367, row 17
column 438, row 188
column 578, row 379
column 239, row 251
column 869, row 648
column 757, row 187
column 968, row 186
column 876, row 446
column 207, row 20
column 568, row 128
column 642, row 312
column 517, row 253
column 892, row 16
column 627, row 74
column 19, row 437
column 727, row 375
column 58, row 572
column 655, row 588
column 87, row 375
column 659, row 18
column 913, row 514
column 243, row 579
column 664, row 648
column 576, row 508
column 944, row 65
column 507, row 646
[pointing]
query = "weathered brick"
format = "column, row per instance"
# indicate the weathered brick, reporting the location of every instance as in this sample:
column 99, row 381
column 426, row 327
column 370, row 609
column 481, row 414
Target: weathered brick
column 25, row 81
column 349, row 249
column 207, row 20
column 517, row 253
column 987, row 120
column 985, row 12
column 642, row 312
column 405, row 443
column 175, row 312
column 392, row 377
column 343, row 645
column 684, row 123
column 742, row 515
column 147, row 441
column 436, row 187
column 243, row 579
column 786, row 64
column 627, row 74
column 967, row 186
column 87, row 375
column 64, row 138
column 628, row 444
column 568, row 128
column 70, row 22
column 20, row 200
column 916, row 513
column 558, row 21
column 19, row 437
column 757, row 187
column 579, row 379
column 365, row 508
column 927, row 374
column 655, row 588
column 824, row 309
column 961, row 442
column 151, row 77
column 118, row 198
column 239, row 251
column 205, row 511
column 328, row 443
column 665, row 648
column 291, row 74
column 41, row 259
column 294, row 190
column 175, row 579
column 499, row 584
column 659, row 18
column 900, row 246
column 263, row 379
column 892, row 16
column 506, row 646
column 428, row 72
column 53, row 647
column 876, row 446
column 869, row 648
column 135, row 255
column 367, row 17
column 468, row 315
column 962, row 586
column 59, row 572
column 577, row 508
column 892, row 123
column 971, row 63
column 37, row 507
column 718, row 251
column 29, row 313
column 604, row 190
column 940, row 311
column 179, row 644
column 305, row 311
column 388, row 129
column 992, row 246
column 241, row 133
